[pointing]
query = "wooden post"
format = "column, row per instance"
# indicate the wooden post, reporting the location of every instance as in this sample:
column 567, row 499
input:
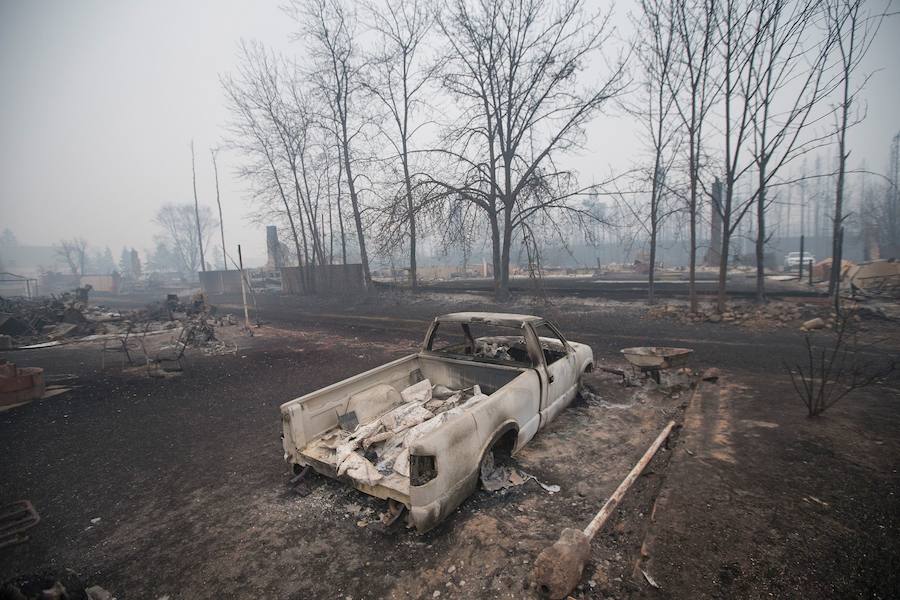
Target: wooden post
column 559, row 567
column 597, row 522
column 800, row 273
column 243, row 289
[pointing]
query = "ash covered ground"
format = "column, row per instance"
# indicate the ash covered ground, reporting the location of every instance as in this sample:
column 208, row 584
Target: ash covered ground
column 176, row 487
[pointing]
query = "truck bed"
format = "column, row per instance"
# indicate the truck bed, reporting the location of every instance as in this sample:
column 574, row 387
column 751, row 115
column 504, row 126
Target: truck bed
column 313, row 434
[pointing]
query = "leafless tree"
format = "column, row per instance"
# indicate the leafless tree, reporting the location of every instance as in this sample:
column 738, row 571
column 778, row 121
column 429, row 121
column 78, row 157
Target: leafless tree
column 739, row 42
column 73, row 252
column 838, row 366
column 251, row 98
column 184, row 229
column 197, row 208
column 656, row 52
column 854, row 27
column 398, row 77
column 295, row 125
column 340, row 213
column 513, row 69
column 213, row 152
column 329, row 29
column 694, row 89
column 786, row 86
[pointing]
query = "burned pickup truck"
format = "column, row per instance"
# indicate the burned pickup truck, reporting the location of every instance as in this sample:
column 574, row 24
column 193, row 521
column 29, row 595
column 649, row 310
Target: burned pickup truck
column 416, row 431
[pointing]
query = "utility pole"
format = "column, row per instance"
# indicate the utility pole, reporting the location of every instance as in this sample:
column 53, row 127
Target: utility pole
column 197, row 210
column 213, row 151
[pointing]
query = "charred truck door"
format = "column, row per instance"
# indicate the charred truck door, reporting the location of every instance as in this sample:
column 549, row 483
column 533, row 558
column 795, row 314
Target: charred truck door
column 557, row 369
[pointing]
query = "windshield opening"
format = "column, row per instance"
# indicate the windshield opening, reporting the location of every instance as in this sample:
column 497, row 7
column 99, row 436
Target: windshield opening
column 481, row 342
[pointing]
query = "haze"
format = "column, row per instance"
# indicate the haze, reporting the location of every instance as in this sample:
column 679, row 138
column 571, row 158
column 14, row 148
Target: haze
column 101, row 100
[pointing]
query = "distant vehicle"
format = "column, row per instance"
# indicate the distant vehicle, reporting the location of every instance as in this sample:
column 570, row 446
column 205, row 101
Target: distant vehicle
column 792, row 260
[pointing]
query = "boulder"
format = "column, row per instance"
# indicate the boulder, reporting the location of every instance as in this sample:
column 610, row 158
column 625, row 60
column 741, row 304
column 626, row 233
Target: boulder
column 817, row 323
column 95, row 592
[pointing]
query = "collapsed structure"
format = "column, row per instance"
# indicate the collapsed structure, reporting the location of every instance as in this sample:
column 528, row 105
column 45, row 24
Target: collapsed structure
column 49, row 321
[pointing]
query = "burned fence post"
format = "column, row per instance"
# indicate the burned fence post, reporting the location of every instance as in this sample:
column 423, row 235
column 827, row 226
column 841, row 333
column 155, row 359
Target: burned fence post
column 243, row 289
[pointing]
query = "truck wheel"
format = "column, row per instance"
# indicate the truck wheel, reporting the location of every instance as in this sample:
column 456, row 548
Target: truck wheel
column 581, row 384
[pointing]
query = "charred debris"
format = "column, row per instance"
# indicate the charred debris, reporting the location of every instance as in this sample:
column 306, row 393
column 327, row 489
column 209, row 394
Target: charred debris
column 70, row 317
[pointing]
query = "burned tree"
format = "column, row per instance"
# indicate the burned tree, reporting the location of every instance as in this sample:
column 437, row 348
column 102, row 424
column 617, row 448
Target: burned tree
column 329, row 27
column 73, row 253
column 694, row 90
column 785, row 87
column 738, row 42
column 251, row 132
column 197, row 208
column 397, row 79
column 294, row 122
column 213, row 152
column 656, row 54
column 853, row 27
column 184, row 229
column 513, row 69
column 838, row 366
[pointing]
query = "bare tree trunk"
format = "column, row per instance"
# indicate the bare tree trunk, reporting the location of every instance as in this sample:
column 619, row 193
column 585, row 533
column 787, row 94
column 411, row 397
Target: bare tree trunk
column 692, row 275
column 655, row 196
column 692, row 213
column 340, row 209
column 411, row 216
column 354, row 201
column 330, row 231
column 854, row 28
column 287, row 209
column 761, row 235
column 503, row 291
column 197, row 210
column 722, row 297
column 219, row 203
column 834, row 281
column 317, row 246
column 495, row 251
column 343, row 234
column 306, row 264
column 651, row 299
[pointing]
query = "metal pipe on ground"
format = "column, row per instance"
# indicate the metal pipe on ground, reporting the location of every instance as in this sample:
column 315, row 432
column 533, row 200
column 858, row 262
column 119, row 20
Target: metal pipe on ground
column 558, row 568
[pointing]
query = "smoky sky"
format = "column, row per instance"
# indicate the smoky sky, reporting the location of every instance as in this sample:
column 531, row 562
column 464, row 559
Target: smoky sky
column 100, row 100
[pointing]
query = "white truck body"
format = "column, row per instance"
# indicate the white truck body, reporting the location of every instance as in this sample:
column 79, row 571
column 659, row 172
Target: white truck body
column 523, row 387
